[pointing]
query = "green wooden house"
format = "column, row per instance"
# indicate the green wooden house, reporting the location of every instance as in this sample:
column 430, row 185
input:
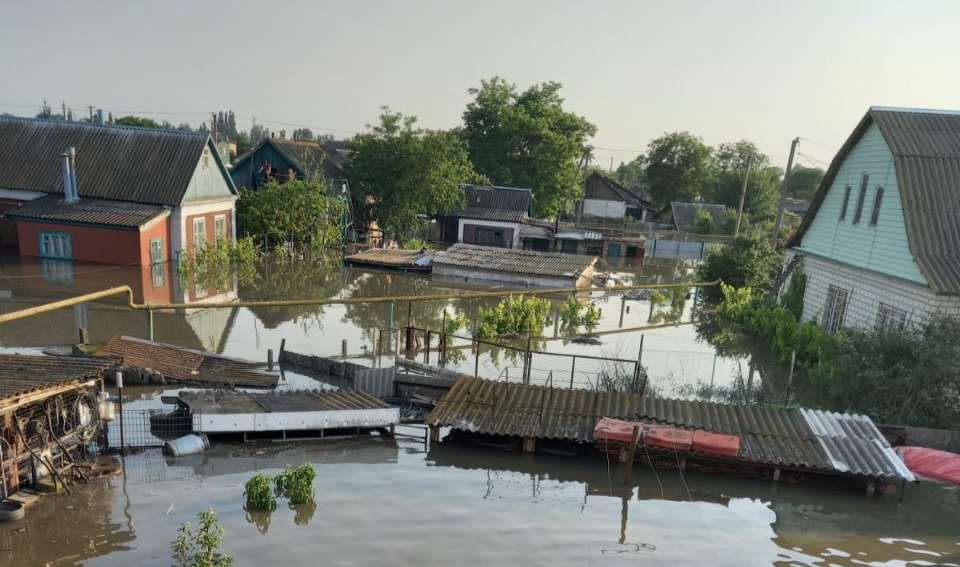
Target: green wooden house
column 281, row 160
column 880, row 244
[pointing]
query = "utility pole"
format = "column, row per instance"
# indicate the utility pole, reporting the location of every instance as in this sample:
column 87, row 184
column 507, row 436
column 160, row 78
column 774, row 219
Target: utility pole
column 743, row 196
column 90, row 111
column 63, row 104
column 783, row 193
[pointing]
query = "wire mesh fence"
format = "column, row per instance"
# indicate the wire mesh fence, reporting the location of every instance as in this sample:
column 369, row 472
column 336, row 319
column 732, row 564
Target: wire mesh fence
column 143, row 428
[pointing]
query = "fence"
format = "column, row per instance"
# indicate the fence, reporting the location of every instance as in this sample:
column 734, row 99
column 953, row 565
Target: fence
column 143, row 428
column 521, row 362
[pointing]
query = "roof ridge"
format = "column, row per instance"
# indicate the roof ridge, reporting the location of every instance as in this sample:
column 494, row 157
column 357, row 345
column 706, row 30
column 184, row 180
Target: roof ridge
column 82, row 124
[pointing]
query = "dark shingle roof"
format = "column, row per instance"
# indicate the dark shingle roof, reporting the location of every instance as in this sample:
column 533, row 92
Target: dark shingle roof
column 926, row 155
column 514, row 261
column 123, row 163
column 87, row 211
column 683, row 214
column 598, row 186
column 506, row 204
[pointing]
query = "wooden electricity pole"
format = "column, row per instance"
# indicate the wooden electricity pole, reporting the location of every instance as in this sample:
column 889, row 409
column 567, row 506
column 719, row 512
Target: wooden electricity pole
column 743, row 197
column 783, row 193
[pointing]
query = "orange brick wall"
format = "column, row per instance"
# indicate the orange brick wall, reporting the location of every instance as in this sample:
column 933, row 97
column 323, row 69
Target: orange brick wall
column 210, row 227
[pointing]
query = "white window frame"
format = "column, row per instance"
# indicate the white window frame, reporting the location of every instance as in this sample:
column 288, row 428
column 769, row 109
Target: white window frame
column 835, row 308
column 57, row 245
column 199, row 233
column 889, row 317
column 219, row 221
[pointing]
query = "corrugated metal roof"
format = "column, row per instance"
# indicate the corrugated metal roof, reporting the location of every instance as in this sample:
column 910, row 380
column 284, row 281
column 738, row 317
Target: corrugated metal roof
column 926, row 154
column 188, row 365
column 22, row 374
column 598, row 186
column 123, row 163
column 227, row 402
column 392, row 258
column 837, row 443
column 505, row 204
column 514, row 261
column 87, row 211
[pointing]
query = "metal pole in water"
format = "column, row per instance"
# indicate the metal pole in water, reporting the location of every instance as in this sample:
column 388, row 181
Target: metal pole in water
column 623, row 306
column 149, row 324
column 123, row 451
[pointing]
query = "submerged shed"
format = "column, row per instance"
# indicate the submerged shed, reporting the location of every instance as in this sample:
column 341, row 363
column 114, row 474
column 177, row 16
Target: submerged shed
column 524, row 267
column 394, row 259
column 789, row 439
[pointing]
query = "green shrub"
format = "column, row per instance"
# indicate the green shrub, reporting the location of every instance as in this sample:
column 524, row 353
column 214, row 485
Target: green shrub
column 259, row 495
column 517, row 315
column 200, row 548
column 296, row 484
column 748, row 261
column 573, row 314
column 416, row 244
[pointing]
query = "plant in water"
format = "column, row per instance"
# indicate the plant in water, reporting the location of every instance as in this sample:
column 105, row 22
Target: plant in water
column 296, row 484
column 259, row 495
column 514, row 316
column 200, row 548
column 573, row 314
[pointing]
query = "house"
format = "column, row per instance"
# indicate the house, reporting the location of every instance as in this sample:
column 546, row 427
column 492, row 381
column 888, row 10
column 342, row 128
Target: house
column 112, row 194
column 491, row 216
column 681, row 216
column 279, row 159
column 545, row 236
column 605, row 199
column 880, row 244
column 519, row 267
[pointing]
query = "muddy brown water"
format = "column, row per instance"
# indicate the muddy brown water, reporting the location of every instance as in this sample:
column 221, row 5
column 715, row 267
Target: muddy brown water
column 382, row 502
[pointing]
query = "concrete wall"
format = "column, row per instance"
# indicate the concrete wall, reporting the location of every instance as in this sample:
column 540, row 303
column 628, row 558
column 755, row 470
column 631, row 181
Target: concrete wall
column 604, row 209
column 868, row 290
column 882, row 248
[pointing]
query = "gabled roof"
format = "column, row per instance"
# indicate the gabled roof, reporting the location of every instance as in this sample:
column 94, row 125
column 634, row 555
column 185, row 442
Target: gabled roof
column 122, row 163
column 513, row 261
column 87, row 211
column 683, row 214
column 926, row 155
column 597, row 186
column 308, row 158
column 506, row 204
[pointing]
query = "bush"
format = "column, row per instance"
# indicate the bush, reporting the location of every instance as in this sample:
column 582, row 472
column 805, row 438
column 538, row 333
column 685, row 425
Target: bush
column 574, row 314
column 296, row 484
column 259, row 495
column 200, row 548
column 517, row 315
column 416, row 244
column 748, row 261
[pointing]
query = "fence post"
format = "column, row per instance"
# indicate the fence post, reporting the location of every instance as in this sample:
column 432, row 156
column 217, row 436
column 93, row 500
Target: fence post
column 556, row 322
column 123, row 452
column 526, row 362
column 149, row 324
column 343, row 348
column 443, row 341
column 428, row 347
column 573, row 369
column 793, row 359
column 623, row 306
column 637, row 370
column 476, row 361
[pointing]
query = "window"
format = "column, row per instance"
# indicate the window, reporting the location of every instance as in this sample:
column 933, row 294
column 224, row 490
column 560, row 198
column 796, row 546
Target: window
column 846, row 201
column 57, row 271
column 220, row 228
column 860, row 198
column 490, row 237
column 835, row 308
column 889, row 317
column 56, row 245
column 206, row 158
column 156, row 251
column 875, row 215
column 199, row 234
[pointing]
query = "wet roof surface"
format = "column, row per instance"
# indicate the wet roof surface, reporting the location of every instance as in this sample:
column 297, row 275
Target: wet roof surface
column 226, row 402
column 21, row 374
column 514, row 261
column 88, row 211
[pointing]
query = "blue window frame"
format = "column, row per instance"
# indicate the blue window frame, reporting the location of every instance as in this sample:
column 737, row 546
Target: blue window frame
column 56, row 245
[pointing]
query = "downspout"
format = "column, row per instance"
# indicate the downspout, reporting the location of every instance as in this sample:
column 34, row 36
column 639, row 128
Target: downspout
column 74, row 190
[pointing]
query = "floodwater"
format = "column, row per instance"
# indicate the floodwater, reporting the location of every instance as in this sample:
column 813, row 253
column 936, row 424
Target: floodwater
column 383, row 502
column 677, row 361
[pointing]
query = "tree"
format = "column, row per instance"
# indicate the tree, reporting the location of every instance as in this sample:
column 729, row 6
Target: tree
column 748, row 261
column 407, row 172
column 702, row 222
column 633, row 173
column 804, row 181
column 302, row 135
column 730, row 162
column 678, row 168
column 258, row 133
column 137, row 121
column 295, row 211
column 526, row 139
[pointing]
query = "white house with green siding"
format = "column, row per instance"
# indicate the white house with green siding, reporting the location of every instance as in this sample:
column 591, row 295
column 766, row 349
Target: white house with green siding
column 881, row 242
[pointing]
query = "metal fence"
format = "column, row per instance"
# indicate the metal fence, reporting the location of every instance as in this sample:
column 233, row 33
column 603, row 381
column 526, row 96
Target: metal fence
column 143, row 428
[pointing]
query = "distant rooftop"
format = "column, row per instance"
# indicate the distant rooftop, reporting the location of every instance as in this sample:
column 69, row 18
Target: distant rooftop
column 505, row 204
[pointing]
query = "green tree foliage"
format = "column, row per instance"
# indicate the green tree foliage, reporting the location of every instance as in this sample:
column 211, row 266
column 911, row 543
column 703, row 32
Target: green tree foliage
column 407, row 172
column 296, row 211
column 200, row 548
column 730, row 162
column 633, row 173
column 302, row 135
column 296, row 484
column 678, row 168
column 747, row 261
column 804, row 181
column 526, row 139
column 137, row 121
column 702, row 222
column 574, row 314
column 515, row 316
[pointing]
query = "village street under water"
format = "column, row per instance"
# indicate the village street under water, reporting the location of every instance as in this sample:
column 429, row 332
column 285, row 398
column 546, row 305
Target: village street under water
column 395, row 502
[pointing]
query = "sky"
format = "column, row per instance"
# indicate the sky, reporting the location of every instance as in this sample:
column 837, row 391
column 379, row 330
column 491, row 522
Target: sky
column 763, row 70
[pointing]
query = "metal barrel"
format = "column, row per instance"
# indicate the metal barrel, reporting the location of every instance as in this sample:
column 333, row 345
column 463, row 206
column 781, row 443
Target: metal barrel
column 186, row 445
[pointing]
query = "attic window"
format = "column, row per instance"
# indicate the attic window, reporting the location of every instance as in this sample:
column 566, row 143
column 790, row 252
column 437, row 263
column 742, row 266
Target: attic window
column 846, row 201
column 861, row 196
column 206, row 158
column 875, row 215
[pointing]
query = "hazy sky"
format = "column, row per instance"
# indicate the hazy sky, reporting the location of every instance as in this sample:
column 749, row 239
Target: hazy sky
column 757, row 69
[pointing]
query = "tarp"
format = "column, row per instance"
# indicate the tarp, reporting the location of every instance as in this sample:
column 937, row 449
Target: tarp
column 931, row 463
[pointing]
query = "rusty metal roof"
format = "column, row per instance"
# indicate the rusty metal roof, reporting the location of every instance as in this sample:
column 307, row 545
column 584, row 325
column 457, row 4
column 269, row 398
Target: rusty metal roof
column 803, row 439
column 228, row 402
column 514, row 261
column 926, row 155
column 123, row 163
column 22, row 374
column 87, row 211
column 506, row 204
column 188, row 365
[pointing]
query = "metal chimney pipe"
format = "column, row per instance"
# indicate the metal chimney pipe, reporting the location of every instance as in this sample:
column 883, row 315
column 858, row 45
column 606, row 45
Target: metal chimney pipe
column 65, row 171
column 100, row 116
column 74, row 194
